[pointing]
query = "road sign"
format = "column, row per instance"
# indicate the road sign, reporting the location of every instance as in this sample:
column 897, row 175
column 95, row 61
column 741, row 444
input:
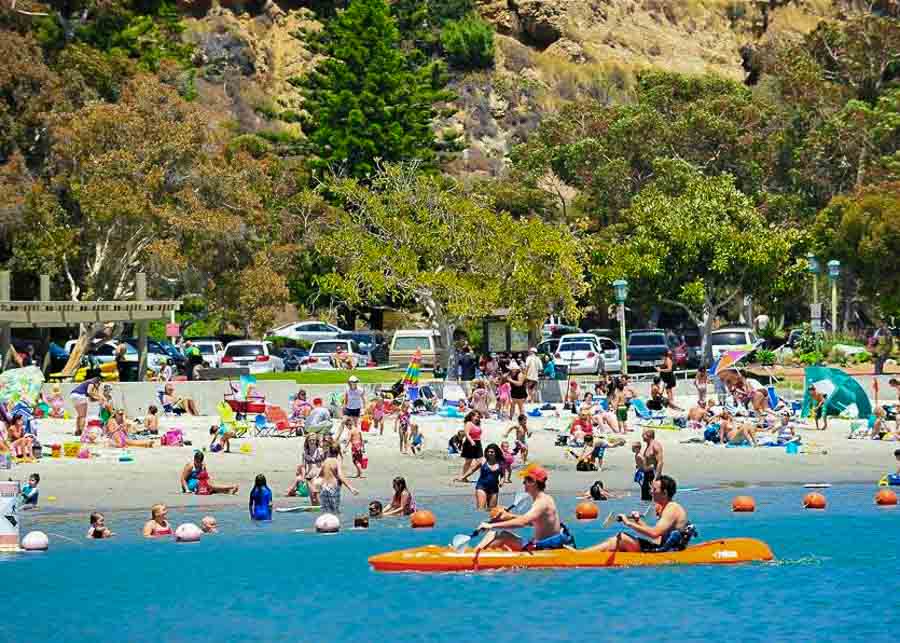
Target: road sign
column 815, row 311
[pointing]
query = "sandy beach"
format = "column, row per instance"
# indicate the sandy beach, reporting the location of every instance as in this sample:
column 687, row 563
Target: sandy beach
column 105, row 483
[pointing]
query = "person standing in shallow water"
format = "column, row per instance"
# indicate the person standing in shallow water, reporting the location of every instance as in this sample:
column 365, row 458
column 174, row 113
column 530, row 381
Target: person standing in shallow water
column 332, row 481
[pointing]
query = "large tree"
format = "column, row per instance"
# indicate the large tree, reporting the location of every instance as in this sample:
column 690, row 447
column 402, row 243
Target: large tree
column 364, row 99
column 423, row 238
column 697, row 243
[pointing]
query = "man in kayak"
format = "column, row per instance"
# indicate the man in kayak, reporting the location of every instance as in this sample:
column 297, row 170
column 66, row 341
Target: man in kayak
column 549, row 532
column 670, row 533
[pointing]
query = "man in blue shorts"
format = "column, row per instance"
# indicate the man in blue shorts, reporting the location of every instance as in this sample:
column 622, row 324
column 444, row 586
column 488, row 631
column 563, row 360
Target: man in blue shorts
column 549, row 532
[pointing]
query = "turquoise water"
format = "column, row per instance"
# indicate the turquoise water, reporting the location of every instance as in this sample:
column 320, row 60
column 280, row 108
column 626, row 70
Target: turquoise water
column 836, row 579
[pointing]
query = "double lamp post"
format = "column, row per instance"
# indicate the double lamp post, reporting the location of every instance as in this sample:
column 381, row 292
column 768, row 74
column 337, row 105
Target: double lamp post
column 834, row 272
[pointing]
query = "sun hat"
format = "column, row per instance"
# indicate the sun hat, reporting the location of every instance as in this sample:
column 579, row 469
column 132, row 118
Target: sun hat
column 535, row 472
column 532, row 350
column 514, row 366
column 353, row 379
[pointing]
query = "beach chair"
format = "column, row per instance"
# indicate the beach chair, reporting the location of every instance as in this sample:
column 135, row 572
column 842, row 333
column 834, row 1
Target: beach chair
column 228, row 418
column 168, row 409
column 647, row 417
column 261, row 427
column 277, row 418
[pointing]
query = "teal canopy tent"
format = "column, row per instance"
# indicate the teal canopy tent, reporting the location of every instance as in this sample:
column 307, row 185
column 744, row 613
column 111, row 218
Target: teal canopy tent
column 842, row 390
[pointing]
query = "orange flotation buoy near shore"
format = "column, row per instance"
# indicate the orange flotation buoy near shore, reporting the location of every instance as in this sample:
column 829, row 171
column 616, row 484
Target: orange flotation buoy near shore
column 885, row 498
column 422, row 518
column 743, row 504
column 814, row 501
column 586, row 511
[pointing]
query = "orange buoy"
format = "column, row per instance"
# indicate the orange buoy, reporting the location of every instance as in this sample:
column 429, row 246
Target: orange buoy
column 885, row 498
column 422, row 518
column 743, row 504
column 814, row 501
column 586, row 511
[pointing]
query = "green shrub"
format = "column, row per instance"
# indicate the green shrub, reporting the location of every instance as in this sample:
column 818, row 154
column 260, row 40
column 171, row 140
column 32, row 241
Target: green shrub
column 765, row 357
column 811, row 359
column 861, row 358
column 249, row 143
column 468, row 43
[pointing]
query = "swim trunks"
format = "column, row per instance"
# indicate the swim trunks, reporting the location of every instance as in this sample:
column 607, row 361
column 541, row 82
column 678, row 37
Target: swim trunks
column 622, row 413
column 356, row 453
column 351, row 413
column 330, row 499
column 677, row 540
column 558, row 541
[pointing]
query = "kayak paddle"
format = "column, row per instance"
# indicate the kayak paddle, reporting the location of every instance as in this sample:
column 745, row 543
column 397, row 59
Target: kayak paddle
column 520, row 505
column 611, row 518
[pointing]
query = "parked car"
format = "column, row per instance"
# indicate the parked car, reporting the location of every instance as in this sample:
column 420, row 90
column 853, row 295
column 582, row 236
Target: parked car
column 404, row 344
column 322, row 352
column 557, row 330
column 548, row 347
column 258, row 356
column 212, row 351
column 161, row 351
column 293, row 357
column 733, row 339
column 582, row 357
column 612, row 356
column 578, row 337
column 105, row 352
column 310, row 330
column 646, row 348
column 608, row 333
column 371, row 342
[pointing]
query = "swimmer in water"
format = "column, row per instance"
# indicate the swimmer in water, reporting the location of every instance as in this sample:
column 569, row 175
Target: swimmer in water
column 209, row 525
column 98, row 528
column 260, row 500
column 158, row 525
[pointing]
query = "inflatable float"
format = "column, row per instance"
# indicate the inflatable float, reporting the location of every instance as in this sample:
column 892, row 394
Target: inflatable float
column 433, row 558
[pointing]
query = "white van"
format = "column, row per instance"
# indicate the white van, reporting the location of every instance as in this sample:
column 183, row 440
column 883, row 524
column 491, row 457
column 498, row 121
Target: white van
column 404, row 344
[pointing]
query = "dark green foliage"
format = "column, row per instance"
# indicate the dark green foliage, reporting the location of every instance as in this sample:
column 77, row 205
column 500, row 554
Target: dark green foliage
column 364, row 100
column 468, row 43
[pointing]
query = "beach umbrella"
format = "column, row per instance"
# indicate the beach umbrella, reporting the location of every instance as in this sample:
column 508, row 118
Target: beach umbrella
column 248, row 382
column 21, row 385
column 411, row 377
column 729, row 360
column 841, row 391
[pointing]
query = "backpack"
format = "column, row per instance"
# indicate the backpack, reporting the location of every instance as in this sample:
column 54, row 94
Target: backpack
column 173, row 438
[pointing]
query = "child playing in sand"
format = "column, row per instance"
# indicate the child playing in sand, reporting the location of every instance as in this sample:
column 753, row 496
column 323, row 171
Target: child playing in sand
column 880, row 430
column 378, row 415
column 508, row 458
column 480, row 399
column 57, row 403
column 151, row 420
column 357, row 449
column 20, row 443
column 28, row 497
column 416, row 440
column 402, row 425
column 819, row 406
column 98, row 528
column 117, row 432
column 572, row 395
column 504, row 397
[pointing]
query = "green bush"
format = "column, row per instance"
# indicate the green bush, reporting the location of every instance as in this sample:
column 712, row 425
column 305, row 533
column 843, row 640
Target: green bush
column 861, row 358
column 468, row 43
column 765, row 357
column 811, row 359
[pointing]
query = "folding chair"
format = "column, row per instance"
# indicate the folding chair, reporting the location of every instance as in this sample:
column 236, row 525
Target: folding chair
column 649, row 417
column 262, row 427
column 284, row 428
column 168, row 409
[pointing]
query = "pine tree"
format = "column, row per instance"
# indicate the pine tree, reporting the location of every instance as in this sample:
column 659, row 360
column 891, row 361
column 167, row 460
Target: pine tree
column 365, row 100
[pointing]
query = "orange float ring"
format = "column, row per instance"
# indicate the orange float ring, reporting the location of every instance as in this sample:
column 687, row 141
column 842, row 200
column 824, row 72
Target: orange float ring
column 814, row 501
column 422, row 518
column 586, row 511
column 885, row 498
column 743, row 504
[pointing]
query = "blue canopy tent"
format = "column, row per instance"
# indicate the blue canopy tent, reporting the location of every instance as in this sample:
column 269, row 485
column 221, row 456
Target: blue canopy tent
column 841, row 389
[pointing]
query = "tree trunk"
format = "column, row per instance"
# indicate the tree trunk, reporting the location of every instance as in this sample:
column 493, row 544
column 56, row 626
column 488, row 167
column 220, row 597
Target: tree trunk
column 85, row 334
column 445, row 326
column 705, row 333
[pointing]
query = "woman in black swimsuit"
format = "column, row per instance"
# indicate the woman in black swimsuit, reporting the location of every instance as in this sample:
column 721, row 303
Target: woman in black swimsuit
column 518, row 391
column 667, row 374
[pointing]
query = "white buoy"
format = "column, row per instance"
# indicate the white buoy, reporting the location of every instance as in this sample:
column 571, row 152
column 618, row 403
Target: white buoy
column 188, row 533
column 328, row 524
column 9, row 520
column 35, row 541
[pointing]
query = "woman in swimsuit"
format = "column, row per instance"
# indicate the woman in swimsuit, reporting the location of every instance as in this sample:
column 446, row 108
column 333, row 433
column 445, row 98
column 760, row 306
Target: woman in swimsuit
column 158, row 525
column 487, row 489
column 81, row 395
column 667, row 374
column 471, row 450
column 117, row 432
column 190, row 478
column 403, row 503
column 184, row 404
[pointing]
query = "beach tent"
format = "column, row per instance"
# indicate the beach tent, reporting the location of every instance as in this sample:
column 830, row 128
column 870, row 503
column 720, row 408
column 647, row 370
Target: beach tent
column 842, row 390
column 21, row 385
column 728, row 360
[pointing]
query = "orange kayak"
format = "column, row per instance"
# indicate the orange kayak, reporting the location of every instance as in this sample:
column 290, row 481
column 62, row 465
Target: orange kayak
column 433, row 558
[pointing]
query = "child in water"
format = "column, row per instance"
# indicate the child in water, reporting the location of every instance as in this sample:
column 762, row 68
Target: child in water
column 260, row 500
column 98, row 528
column 29, row 494
column 508, row 459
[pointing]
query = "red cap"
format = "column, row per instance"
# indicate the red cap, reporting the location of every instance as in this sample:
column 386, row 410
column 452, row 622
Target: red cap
column 535, row 472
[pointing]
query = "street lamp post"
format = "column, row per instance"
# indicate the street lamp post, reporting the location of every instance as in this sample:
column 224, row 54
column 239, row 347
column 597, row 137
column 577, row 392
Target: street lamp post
column 834, row 271
column 812, row 266
column 621, row 289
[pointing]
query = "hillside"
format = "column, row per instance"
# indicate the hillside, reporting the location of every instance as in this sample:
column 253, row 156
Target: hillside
column 548, row 52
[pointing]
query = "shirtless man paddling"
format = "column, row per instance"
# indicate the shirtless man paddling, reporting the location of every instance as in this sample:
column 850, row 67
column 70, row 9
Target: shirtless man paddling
column 549, row 532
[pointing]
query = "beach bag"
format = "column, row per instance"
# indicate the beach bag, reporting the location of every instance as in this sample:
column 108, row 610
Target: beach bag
column 584, row 465
column 173, row 438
